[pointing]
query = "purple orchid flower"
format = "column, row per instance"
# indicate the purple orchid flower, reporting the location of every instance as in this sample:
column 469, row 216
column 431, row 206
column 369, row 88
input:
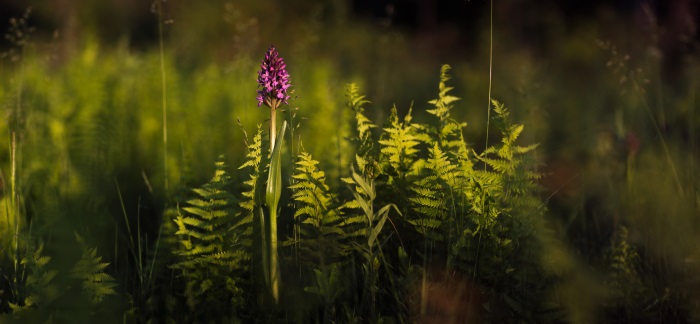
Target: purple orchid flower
column 273, row 80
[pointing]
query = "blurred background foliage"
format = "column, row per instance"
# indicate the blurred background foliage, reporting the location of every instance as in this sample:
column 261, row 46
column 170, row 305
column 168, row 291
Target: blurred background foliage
column 609, row 89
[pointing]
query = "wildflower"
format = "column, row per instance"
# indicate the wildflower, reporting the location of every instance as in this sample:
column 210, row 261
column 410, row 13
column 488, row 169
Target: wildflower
column 273, row 79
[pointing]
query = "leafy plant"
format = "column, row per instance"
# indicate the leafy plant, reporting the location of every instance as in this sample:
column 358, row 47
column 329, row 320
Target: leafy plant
column 215, row 244
column 39, row 288
column 364, row 191
column 363, row 126
column 468, row 207
column 324, row 227
column 459, row 218
column 273, row 191
column 89, row 270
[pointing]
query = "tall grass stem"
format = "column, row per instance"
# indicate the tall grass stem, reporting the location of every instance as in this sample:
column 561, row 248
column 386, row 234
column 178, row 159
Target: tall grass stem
column 660, row 134
column 488, row 104
column 164, row 93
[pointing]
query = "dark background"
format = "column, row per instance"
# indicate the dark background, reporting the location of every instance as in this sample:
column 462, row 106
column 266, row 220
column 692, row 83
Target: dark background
column 114, row 18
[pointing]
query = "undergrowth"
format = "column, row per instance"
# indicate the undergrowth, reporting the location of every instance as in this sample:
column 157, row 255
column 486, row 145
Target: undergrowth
column 420, row 211
column 115, row 205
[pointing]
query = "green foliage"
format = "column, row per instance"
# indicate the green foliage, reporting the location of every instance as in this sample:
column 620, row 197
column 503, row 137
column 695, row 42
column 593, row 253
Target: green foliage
column 399, row 143
column 329, row 285
column 357, row 102
column 215, row 245
column 89, row 270
column 273, row 191
column 365, row 154
column 324, row 227
column 508, row 180
column 365, row 198
column 450, row 134
column 83, row 112
column 469, row 216
column 623, row 281
column 364, row 192
column 449, row 209
column 39, row 289
column 430, row 194
column 253, row 158
column 41, row 285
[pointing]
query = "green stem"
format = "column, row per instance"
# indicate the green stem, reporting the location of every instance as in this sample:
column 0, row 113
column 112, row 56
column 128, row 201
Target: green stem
column 274, row 265
column 13, row 200
column 164, row 99
column 272, row 197
column 488, row 105
column 273, row 128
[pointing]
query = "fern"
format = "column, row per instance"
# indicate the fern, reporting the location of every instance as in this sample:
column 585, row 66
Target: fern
column 205, row 228
column 329, row 284
column 365, row 154
column 90, row 271
column 623, row 279
column 363, row 125
column 215, row 241
column 511, row 178
column 39, row 288
column 450, row 136
column 253, row 159
column 314, row 201
column 321, row 215
column 399, row 145
column 444, row 181
column 432, row 199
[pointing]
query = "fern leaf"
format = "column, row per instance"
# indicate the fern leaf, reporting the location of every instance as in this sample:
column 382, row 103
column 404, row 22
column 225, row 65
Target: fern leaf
column 90, row 271
column 399, row 144
column 319, row 215
column 215, row 234
column 363, row 125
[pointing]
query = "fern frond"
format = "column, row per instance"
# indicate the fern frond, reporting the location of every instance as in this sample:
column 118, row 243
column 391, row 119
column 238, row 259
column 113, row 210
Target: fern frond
column 449, row 133
column 39, row 287
column 90, row 271
column 399, row 145
column 320, row 216
column 214, row 232
column 430, row 199
column 205, row 225
column 443, row 102
column 363, row 126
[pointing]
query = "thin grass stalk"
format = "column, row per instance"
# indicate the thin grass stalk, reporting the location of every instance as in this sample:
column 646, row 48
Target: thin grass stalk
column 691, row 131
column 297, row 225
column 128, row 230
column 488, row 121
column 155, row 254
column 662, row 138
column 13, row 201
column 116, row 246
column 13, row 178
column 159, row 8
column 138, row 239
column 424, row 278
column 488, row 104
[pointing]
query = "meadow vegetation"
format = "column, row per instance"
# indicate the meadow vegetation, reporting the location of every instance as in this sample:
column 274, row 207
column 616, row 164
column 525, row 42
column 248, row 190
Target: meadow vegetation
column 141, row 184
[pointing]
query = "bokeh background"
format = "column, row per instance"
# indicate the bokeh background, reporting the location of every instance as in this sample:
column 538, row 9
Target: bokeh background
column 608, row 88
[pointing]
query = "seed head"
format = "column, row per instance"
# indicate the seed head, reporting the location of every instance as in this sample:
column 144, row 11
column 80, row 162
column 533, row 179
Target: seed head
column 273, row 80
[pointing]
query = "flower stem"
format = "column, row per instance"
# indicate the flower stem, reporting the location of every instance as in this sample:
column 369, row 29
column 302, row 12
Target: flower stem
column 273, row 127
